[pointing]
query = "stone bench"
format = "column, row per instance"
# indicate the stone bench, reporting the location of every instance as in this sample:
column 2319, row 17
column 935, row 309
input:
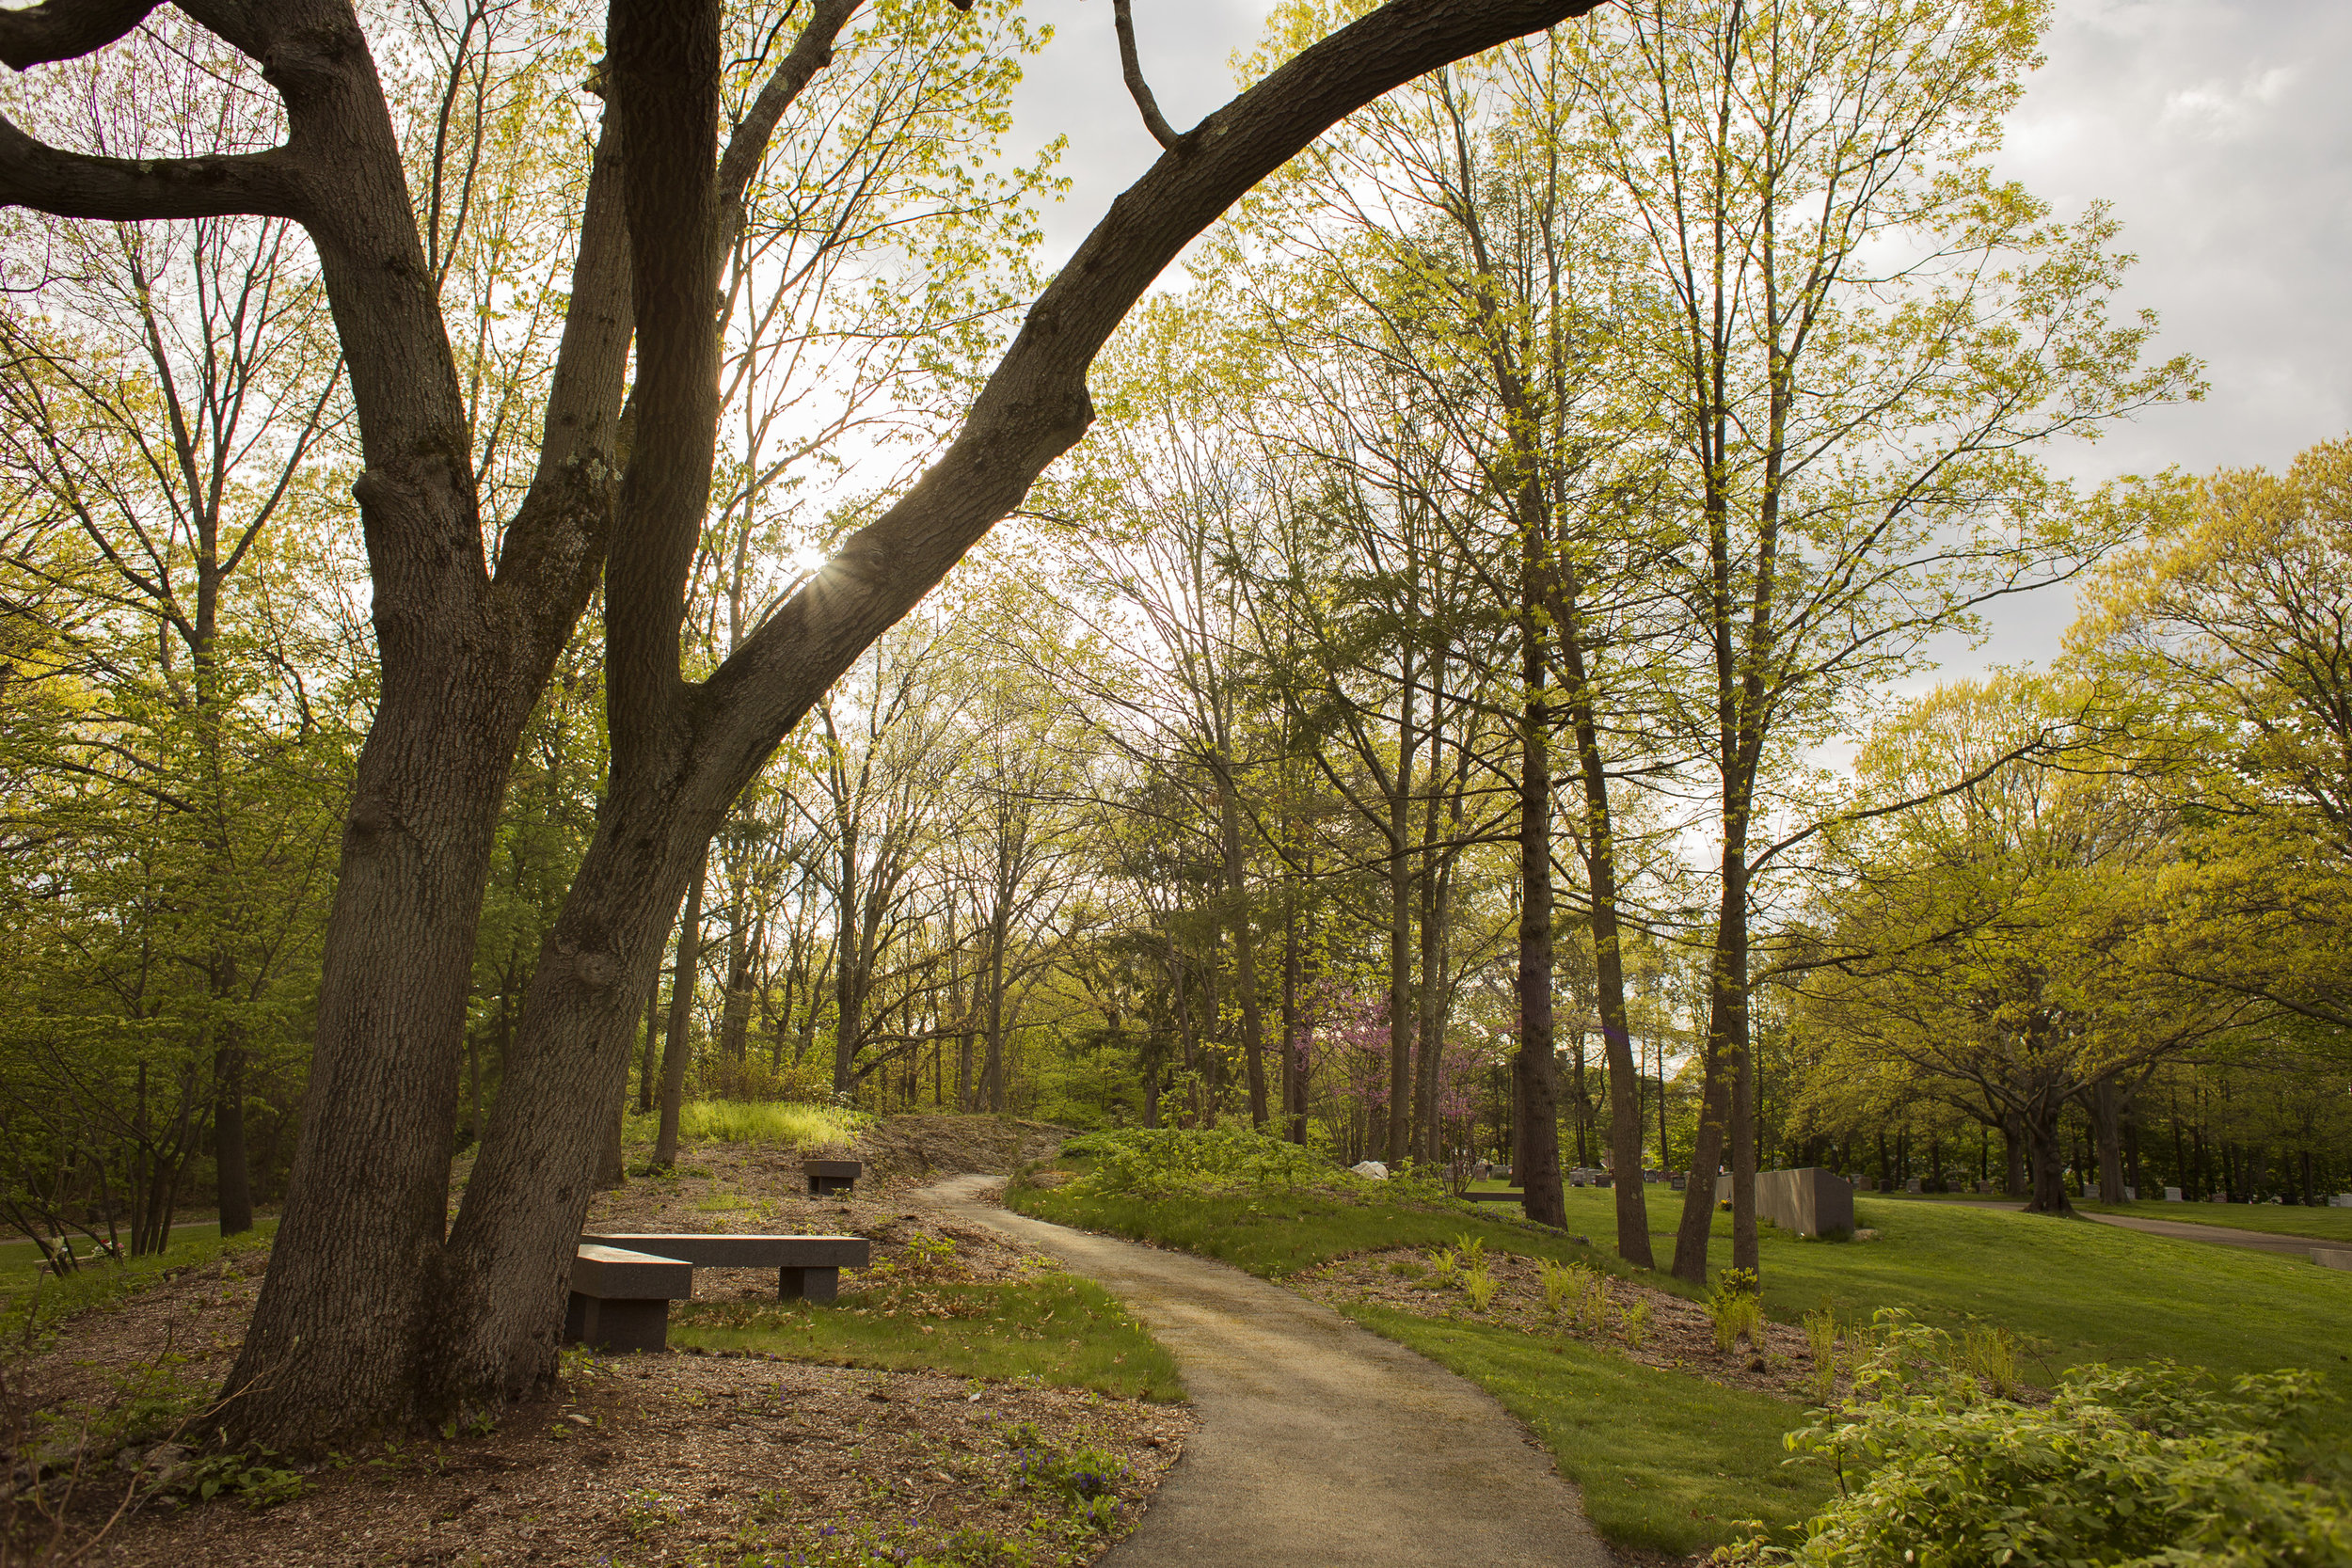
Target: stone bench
column 1513, row 1197
column 620, row 1298
column 831, row 1178
column 807, row 1267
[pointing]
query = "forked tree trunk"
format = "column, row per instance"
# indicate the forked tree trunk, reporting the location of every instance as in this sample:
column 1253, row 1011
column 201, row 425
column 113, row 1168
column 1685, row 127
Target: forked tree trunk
column 366, row 1317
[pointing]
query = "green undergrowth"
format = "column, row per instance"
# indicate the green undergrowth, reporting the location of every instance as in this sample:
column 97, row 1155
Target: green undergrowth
column 1053, row 1327
column 1272, row 1234
column 2271, row 1219
column 34, row 1302
column 1667, row 1462
column 737, row 1122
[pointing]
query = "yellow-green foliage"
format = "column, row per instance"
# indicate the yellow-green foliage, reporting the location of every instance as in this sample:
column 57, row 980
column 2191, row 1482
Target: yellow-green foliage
column 1821, row 1333
column 742, row 1121
column 1478, row 1287
column 1563, row 1284
column 1737, row 1310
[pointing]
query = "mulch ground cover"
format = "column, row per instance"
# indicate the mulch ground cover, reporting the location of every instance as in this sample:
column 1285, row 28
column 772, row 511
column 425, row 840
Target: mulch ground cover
column 632, row 1460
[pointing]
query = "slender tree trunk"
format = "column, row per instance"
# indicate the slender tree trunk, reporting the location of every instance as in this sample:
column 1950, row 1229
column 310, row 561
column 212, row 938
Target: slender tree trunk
column 645, row 1072
column 1401, row 927
column 677, row 1043
column 1601, row 920
column 1535, row 1164
column 1245, row 936
column 235, row 1178
column 992, row 1074
column 1294, row 1038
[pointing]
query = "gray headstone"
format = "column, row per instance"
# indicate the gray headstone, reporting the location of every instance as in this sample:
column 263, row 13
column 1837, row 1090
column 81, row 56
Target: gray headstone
column 1807, row 1202
column 2173, row 1195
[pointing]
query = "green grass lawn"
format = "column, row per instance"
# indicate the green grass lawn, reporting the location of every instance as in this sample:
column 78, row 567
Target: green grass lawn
column 1667, row 1463
column 1668, row 1460
column 2272, row 1219
column 23, row 1290
column 2088, row 1292
column 1055, row 1327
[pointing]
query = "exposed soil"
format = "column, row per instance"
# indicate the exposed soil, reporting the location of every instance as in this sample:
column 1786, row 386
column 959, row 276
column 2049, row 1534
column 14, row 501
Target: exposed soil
column 1677, row 1336
column 634, row 1460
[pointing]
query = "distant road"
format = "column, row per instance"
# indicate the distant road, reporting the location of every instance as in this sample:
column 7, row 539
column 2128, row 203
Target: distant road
column 2219, row 1235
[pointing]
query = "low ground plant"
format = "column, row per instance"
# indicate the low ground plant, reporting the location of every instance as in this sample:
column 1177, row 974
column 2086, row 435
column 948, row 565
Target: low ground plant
column 1478, row 1288
column 2151, row 1465
column 1821, row 1337
column 1736, row 1310
column 1563, row 1284
column 1988, row 1351
column 739, row 1121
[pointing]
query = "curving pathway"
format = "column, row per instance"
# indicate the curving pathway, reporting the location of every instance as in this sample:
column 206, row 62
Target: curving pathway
column 1320, row 1443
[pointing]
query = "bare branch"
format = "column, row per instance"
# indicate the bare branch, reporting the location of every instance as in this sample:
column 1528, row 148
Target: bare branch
column 1153, row 121
column 66, row 29
column 77, row 185
column 811, row 54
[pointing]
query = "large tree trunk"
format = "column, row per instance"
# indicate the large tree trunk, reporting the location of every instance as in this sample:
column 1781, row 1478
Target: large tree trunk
column 2045, row 1155
column 2107, row 1126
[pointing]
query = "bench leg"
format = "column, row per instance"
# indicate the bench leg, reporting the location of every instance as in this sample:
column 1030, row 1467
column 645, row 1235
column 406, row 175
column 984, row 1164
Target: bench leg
column 809, row 1284
column 617, row 1326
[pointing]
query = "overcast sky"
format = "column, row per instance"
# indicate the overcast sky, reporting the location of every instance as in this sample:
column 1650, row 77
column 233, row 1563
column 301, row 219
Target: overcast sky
column 2220, row 130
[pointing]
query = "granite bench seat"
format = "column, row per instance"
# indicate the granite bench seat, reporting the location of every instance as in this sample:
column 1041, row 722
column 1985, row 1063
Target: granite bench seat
column 807, row 1267
column 621, row 1297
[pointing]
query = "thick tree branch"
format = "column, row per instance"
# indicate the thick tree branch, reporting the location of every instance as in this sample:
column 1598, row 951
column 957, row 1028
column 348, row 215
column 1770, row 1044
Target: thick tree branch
column 66, row 29
column 1034, row 407
column 1122, row 17
column 77, row 185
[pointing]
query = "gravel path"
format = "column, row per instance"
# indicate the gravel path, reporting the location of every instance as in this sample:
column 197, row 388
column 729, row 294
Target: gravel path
column 1320, row 1443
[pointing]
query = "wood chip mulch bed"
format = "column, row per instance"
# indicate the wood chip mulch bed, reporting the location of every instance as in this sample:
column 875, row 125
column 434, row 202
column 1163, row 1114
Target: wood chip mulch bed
column 634, row 1460
column 1679, row 1336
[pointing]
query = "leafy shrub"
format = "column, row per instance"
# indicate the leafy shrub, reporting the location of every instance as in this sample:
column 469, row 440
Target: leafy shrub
column 2125, row 1468
column 1167, row 1162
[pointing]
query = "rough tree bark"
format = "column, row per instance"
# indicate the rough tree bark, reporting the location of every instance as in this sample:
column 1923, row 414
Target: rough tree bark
column 370, row 1315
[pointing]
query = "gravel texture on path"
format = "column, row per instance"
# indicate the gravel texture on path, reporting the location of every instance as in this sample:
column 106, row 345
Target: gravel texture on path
column 1319, row 1442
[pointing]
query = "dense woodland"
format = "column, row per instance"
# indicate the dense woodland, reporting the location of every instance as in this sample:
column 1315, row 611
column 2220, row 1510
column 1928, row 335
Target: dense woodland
column 1481, row 688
